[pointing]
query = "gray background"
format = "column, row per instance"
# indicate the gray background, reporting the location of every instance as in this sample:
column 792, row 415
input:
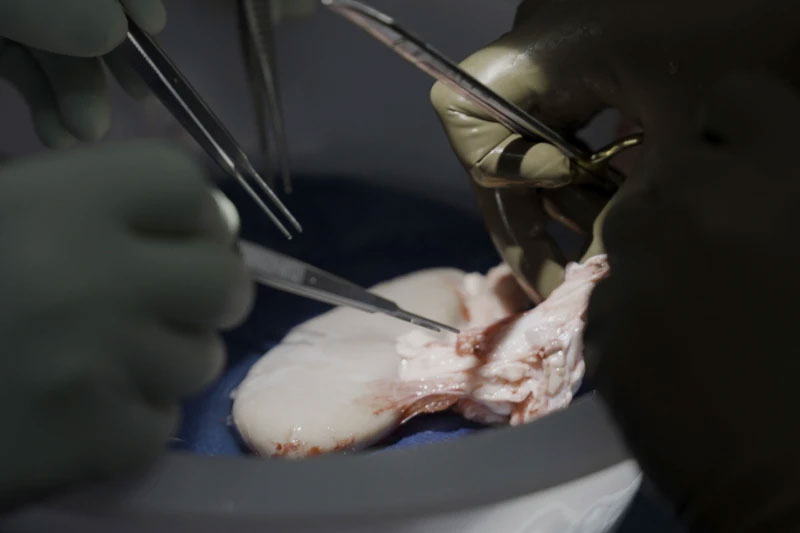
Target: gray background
column 352, row 107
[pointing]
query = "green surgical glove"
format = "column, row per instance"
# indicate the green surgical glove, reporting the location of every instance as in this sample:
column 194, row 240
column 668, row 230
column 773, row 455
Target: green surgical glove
column 692, row 341
column 53, row 51
column 119, row 269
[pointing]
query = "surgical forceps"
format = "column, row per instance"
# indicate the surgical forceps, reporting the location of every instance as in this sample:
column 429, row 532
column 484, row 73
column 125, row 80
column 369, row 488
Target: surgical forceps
column 256, row 27
column 290, row 275
column 429, row 60
column 176, row 93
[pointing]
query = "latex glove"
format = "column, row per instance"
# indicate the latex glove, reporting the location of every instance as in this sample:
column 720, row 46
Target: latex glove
column 51, row 54
column 693, row 339
column 566, row 60
column 118, row 271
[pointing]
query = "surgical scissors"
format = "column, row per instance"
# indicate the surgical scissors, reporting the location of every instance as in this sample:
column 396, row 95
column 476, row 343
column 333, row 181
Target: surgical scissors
column 290, row 275
column 426, row 58
column 179, row 97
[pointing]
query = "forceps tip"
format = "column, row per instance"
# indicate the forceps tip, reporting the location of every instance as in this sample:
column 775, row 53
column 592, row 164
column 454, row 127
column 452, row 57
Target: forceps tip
column 276, row 202
column 423, row 322
column 450, row 329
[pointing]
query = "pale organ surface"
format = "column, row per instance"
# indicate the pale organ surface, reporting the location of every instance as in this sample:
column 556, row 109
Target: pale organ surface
column 343, row 380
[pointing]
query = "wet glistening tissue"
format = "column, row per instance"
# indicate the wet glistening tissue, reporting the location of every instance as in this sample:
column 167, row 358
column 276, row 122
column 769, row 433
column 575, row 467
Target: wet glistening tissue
column 345, row 379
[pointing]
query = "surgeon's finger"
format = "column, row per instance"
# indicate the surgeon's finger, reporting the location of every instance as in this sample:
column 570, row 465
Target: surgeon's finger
column 529, row 81
column 80, row 89
column 192, row 283
column 171, row 363
column 126, row 76
column 21, row 70
column 149, row 14
column 83, row 28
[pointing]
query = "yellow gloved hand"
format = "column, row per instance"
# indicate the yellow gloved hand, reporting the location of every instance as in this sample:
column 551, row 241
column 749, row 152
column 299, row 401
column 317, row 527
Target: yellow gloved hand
column 566, row 60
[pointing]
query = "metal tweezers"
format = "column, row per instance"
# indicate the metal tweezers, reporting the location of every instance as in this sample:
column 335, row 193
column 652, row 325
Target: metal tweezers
column 429, row 60
column 290, row 275
column 179, row 97
column 257, row 28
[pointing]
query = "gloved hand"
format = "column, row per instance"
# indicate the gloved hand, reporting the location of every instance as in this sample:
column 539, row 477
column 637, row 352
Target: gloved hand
column 565, row 61
column 50, row 51
column 118, row 270
column 692, row 340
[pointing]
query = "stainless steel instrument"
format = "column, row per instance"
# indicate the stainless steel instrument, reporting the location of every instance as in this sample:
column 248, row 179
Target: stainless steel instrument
column 179, row 97
column 290, row 275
